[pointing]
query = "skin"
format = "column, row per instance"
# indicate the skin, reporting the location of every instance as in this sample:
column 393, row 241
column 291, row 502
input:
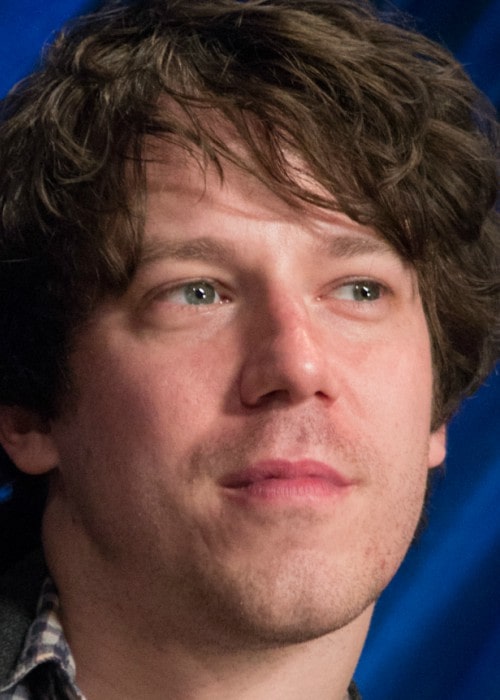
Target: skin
column 270, row 598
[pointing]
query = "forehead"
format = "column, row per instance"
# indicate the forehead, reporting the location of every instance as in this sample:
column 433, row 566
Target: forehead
column 183, row 187
column 174, row 169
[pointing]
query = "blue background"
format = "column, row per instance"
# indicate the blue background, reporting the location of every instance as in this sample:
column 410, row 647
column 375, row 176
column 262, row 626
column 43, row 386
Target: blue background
column 436, row 631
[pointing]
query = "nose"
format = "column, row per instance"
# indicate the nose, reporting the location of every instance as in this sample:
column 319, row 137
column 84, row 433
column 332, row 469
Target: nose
column 285, row 360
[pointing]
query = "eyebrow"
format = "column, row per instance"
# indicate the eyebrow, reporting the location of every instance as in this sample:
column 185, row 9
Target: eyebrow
column 203, row 248
column 210, row 250
column 349, row 246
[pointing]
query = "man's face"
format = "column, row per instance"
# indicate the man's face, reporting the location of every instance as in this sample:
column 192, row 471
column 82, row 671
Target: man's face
column 249, row 446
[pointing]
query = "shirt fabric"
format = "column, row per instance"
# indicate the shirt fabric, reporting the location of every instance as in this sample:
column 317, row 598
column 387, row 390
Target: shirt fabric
column 45, row 669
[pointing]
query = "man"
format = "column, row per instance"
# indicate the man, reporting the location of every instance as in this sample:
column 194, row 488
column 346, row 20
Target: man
column 249, row 268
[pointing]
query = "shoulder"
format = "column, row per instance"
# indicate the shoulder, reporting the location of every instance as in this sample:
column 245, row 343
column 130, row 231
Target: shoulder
column 19, row 591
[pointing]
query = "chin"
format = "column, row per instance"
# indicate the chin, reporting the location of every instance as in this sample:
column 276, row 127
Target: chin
column 293, row 606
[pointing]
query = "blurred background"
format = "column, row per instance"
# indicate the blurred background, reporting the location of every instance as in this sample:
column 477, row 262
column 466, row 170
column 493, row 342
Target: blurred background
column 436, row 630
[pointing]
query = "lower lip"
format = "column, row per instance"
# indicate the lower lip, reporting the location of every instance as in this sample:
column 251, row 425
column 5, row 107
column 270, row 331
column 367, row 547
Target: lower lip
column 308, row 489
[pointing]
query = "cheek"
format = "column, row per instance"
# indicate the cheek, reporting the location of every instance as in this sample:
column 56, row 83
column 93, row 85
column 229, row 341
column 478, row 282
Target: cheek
column 151, row 390
column 127, row 442
column 391, row 405
column 141, row 408
column 390, row 391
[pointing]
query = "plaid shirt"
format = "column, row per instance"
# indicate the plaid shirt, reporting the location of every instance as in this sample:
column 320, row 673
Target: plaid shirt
column 45, row 669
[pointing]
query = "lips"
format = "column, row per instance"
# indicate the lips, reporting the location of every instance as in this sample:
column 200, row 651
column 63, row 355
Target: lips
column 286, row 480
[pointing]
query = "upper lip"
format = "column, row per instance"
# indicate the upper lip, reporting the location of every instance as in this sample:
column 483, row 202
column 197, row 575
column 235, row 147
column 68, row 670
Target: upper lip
column 284, row 469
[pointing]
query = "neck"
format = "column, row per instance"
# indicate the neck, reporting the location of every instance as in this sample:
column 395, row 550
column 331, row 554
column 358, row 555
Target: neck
column 128, row 642
column 113, row 663
column 116, row 658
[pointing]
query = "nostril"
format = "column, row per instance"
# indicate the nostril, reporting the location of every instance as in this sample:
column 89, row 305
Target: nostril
column 273, row 397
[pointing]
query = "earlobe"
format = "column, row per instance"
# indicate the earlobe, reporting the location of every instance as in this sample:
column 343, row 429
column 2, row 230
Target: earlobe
column 437, row 447
column 27, row 439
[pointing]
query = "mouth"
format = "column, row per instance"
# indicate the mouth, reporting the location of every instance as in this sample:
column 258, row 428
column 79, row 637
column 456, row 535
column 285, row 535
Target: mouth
column 282, row 480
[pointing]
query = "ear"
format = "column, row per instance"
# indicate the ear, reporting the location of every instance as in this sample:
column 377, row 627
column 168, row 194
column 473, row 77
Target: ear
column 437, row 447
column 27, row 440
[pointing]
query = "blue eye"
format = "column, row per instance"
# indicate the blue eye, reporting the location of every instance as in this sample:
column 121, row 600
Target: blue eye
column 360, row 291
column 195, row 293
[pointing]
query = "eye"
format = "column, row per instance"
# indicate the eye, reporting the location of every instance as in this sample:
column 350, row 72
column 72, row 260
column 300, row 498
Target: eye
column 360, row 291
column 195, row 293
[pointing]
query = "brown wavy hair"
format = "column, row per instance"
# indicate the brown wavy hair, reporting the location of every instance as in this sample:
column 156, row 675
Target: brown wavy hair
column 383, row 119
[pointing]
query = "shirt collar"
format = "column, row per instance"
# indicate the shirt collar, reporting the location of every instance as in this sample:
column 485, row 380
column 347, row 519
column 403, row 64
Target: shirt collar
column 45, row 642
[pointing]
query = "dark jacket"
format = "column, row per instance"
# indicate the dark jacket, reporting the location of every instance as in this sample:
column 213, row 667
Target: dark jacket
column 19, row 592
